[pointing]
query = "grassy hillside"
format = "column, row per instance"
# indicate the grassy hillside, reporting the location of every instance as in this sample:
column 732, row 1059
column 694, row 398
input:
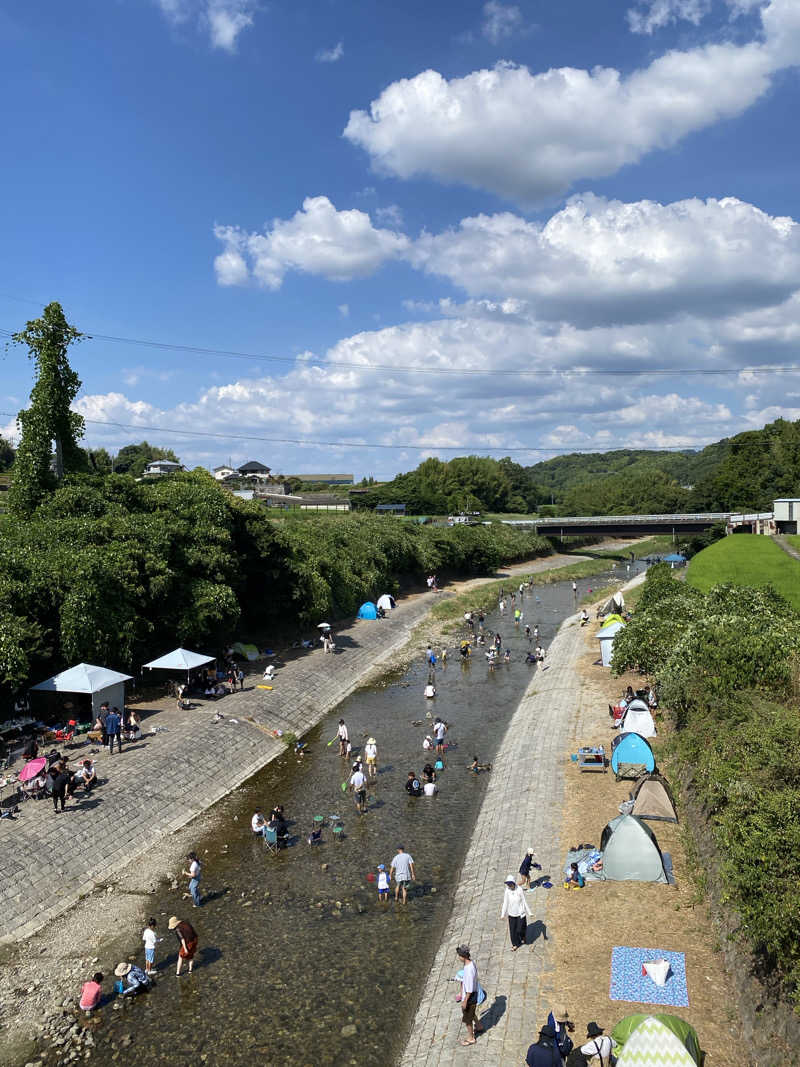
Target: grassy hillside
column 747, row 559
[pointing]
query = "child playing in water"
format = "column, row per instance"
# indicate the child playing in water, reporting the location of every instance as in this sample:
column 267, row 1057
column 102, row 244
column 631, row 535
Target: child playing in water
column 150, row 939
column 383, row 885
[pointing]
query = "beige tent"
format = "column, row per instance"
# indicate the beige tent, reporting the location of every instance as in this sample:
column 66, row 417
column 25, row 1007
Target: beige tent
column 652, row 799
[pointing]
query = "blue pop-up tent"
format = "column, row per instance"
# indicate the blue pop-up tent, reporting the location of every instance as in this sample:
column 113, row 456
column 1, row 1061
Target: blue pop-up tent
column 631, row 755
column 675, row 557
column 367, row 611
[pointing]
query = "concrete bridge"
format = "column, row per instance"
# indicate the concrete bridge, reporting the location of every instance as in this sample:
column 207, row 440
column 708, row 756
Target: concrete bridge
column 642, row 525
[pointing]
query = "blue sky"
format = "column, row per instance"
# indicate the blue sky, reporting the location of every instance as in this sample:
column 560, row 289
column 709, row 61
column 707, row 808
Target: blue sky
column 508, row 228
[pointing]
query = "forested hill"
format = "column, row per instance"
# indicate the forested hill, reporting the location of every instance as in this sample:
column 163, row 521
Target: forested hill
column 744, row 472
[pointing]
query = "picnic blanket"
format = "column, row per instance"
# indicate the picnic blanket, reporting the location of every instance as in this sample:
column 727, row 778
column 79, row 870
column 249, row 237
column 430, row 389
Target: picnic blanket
column 629, row 983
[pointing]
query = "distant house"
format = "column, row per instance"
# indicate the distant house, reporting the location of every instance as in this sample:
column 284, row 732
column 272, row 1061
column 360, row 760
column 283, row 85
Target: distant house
column 787, row 515
column 390, row 509
column 223, row 472
column 324, row 479
column 253, row 469
column 159, row 467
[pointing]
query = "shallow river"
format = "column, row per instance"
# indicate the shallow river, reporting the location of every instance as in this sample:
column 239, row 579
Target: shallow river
column 293, row 956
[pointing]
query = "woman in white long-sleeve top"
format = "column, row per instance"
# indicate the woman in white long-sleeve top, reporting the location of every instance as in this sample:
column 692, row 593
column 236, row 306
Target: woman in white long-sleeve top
column 515, row 906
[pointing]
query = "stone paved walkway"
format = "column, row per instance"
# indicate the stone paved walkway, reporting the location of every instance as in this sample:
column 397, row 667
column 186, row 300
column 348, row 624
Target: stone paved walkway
column 521, row 809
column 163, row 781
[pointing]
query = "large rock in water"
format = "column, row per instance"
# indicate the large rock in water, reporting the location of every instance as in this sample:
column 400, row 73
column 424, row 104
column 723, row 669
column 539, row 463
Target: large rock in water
column 348, row 1031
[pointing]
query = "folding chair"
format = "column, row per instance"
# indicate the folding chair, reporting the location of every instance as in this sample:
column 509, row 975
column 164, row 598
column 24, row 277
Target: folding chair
column 270, row 839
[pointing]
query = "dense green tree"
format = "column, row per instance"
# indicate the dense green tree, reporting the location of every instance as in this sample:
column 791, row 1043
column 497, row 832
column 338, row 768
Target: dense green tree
column 48, row 424
column 132, row 459
column 98, row 461
column 6, row 455
column 758, row 467
column 641, row 489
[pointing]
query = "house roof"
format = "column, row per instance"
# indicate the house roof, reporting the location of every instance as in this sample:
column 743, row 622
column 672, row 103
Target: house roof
column 253, row 467
column 324, row 498
column 162, row 463
column 224, row 467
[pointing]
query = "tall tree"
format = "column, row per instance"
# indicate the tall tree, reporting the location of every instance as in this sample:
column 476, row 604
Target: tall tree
column 48, row 423
column 132, row 459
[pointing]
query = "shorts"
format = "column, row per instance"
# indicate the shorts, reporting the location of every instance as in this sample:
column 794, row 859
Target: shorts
column 150, row 954
column 383, row 892
column 361, row 796
column 403, row 882
column 468, row 1013
column 371, row 761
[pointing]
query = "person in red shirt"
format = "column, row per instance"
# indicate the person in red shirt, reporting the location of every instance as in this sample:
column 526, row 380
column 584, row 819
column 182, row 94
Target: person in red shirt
column 91, row 992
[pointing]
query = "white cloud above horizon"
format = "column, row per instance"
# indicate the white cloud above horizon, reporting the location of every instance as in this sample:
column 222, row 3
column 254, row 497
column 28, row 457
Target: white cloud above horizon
column 529, row 137
column 500, row 21
column 318, row 239
column 223, row 20
column 330, row 55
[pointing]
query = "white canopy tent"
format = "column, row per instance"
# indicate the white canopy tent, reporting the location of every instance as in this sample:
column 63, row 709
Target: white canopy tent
column 386, row 602
column 179, row 660
column 606, row 638
column 100, row 683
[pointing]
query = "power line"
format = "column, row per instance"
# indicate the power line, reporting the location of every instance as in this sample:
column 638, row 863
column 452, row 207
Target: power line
column 577, row 370
column 429, row 446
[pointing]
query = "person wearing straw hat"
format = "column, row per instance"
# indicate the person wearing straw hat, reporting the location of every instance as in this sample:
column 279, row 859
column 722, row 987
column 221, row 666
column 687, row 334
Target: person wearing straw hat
column 135, row 980
column 371, row 753
column 564, row 1026
column 515, row 906
column 187, row 939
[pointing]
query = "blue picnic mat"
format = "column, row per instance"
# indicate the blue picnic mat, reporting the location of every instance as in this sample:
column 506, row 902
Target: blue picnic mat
column 628, row 982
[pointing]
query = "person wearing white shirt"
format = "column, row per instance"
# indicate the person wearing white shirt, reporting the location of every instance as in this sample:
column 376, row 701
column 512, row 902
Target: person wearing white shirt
column 515, row 906
column 358, row 785
column 371, row 755
column 343, row 736
column 257, row 823
column 599, row 1047
column 469, row 994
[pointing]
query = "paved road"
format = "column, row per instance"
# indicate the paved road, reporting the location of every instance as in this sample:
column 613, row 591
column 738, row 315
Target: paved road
column 521, row 809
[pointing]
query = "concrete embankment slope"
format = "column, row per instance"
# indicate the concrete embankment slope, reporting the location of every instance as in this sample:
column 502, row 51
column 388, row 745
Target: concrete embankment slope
column 162, row 782
column 521, row 809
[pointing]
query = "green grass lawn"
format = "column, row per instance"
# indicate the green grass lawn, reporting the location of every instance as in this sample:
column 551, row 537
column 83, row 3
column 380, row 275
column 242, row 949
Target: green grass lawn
column 747, row 559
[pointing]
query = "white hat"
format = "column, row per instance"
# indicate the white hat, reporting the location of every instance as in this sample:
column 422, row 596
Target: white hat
column 531, row 851
column 512, row 879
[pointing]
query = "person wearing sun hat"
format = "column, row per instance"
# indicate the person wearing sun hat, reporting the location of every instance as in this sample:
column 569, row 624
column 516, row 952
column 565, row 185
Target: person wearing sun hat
column 371, row 754
column 545, row 1051
column 564, row 1026
column 515, row 906
column 187, row 939
column 599, row 1046
column 135, row 980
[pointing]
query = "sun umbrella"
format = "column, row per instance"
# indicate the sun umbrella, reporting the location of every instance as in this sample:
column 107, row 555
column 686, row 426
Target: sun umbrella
column 32, row 768
column 323, row 626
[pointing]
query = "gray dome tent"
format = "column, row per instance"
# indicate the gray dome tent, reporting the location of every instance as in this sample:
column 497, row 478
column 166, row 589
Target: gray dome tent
column 631, row 852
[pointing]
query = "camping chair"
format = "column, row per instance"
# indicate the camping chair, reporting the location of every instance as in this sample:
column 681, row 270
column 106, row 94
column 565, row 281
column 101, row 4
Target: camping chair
column 270, row 839
column 66, row 736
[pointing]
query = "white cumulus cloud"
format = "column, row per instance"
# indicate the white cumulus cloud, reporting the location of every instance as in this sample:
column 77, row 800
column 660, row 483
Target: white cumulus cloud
column 530, row 136
column 318, row 239
column 598, row 260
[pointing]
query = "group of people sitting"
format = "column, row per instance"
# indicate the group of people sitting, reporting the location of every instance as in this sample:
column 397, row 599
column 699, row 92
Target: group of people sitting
column 59, row 781
column 275, row 824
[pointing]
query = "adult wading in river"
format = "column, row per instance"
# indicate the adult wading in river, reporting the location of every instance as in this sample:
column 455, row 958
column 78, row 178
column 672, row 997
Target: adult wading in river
column 187, row 939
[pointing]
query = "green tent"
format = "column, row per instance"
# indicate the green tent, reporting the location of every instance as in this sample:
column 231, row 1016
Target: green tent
column 656, row 1040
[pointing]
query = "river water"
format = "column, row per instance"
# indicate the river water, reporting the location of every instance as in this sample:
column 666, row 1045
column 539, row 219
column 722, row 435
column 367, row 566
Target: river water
column 302, row 965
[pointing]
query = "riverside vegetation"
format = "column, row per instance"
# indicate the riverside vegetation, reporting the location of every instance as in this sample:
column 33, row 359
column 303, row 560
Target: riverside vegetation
column 110, row 570
column 728, row 666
